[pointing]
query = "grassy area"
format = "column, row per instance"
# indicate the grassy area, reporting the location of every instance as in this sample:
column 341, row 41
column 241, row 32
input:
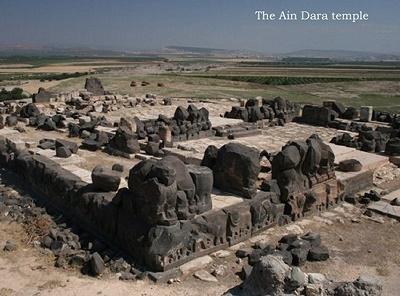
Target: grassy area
column 283, row 80
column 40, row 76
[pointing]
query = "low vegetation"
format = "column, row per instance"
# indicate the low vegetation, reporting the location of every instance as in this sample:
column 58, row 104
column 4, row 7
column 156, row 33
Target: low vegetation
column 41, row 76
column 15, row 94
column 291, row 80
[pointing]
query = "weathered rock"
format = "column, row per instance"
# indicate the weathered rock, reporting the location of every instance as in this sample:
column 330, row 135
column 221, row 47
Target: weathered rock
column 10, row 246
column 236, row 169
column 63, row 152
column 11, row 120
column 393, row 147
column 96, row 264
column 203, row 181
column 267, row 277
column 105, row 179
column 118, row 167
column 94, row 86
column 363, row 286
column 42, row 96
column 350, row 165
column 318, row 253
column 316, row 278
column 71, row 146
column 124, row 140
column 297, row 279
column 29, row 110
column 205, row 276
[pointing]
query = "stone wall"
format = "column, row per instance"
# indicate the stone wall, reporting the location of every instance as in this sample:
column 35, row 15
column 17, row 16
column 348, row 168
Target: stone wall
column 163, row 218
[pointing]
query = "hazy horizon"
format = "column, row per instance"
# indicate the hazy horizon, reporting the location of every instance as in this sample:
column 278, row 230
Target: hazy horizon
column 138, row 25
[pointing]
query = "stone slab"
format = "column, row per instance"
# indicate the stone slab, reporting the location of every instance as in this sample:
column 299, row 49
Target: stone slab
column 73, row 159
column 8, row 131
column 391, row 196
column 370, row 162
column 86, row 175
column 385, row 208
column 195, row 264
column 221, row 200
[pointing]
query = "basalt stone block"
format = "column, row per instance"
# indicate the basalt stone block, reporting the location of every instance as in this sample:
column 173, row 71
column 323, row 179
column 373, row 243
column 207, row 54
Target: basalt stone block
column 29, row 110
column 118, row 167
column 212, row 227
column 47, row 144
column 313, row 238
column 63, row 152
column 152, row 148
column 239, row 223
column 366, row 113
column 166, row 245
column 236, row 169
column 318, row 115
column 393, row 147
column 125, row 141
column 94, row 86
column 181, row 114
column 335, row 106
column 42, row 96
column 48, row 125
column 351, row 113
column 11, row 120
column 264, row 212
column 318, row 253
column 73, row 130
column 153, row 185
column 271, row 186
column 203, row 181
column 194, row 113
column 91, row 145
column 105, row 179
column 154, row 138
column 72, row 146
column 350, row 165
column 183, row 179
column 299, row 256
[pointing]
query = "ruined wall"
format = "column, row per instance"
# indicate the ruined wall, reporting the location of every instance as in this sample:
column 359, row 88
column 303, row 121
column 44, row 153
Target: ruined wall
column 162, row 220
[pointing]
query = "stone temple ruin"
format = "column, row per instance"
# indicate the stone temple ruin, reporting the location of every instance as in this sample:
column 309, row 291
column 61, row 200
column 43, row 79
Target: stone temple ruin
column 170, row 208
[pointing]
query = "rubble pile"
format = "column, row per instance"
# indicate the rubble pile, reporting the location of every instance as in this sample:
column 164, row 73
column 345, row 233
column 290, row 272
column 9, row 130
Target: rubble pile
column 272, row 276
column 281, row 109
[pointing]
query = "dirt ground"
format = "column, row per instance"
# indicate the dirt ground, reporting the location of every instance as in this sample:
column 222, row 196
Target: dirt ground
column 358, row 246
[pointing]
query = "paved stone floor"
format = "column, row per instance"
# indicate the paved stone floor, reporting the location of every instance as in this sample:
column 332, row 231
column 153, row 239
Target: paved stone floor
column 271, row 140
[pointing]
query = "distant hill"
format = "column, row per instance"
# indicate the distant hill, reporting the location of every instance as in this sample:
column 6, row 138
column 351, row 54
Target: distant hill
column 207, row 51
column 348, row 55
column 27, row 50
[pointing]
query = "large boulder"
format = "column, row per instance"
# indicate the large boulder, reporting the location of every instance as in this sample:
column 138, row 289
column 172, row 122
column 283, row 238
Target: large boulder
column 29, row 110
column 42, row 96
column 236, row 169
column 94, row 86
column 184, row 181
column 318, row 115
column 72, row 146
column 393, row 147
column 363, row 286
column 125, row 140
column 268, row 277
column 154, row 189
column 105, row 179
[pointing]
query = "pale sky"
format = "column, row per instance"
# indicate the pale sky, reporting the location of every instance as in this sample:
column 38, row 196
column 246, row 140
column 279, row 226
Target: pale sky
column 229, row 24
